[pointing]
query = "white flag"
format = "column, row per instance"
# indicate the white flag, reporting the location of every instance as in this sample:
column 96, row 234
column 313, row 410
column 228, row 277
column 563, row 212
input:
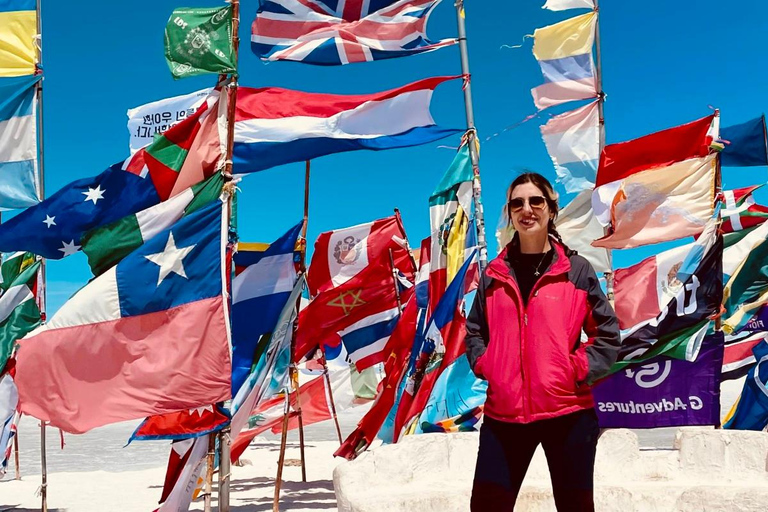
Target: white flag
column 146, row 121
column 562, row 5
column 578, row 227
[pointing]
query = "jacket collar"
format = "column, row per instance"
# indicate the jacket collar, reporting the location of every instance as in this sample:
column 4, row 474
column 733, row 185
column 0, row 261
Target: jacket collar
column 499, row 267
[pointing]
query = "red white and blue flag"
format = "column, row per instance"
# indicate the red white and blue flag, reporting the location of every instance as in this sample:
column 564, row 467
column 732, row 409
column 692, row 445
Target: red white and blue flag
column 279, row 126
column 337, row 32
column 149, row 336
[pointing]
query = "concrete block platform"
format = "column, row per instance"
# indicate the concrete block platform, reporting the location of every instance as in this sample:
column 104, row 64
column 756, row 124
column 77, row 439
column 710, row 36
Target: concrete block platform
column 708, row 470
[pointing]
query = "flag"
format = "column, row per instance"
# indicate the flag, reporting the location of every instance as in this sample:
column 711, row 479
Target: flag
column 747, row 287
column 740, row 211
column 106, row 245
column 270, row 375
column 18, row 141
column 449, row 210
column 259, row 295
column 181, row 424
column 657, row 151
column 330, row 33
column 183, row 475
column 394, row 366
column 738, row 358
column 745, row 144
column 18, row 28
column 678, row 329
column 182, row 156
column 149, row 336
column 443, row 344
column 578, row 227
column 9, row 419
column 13, row 264
column 341, row 254
column 279, row 126
column 664, row 392
column 456, row 394
column 751, row 412
column 564, row 52
column 199, row 41
column 365, row 340
column 642, row 290
column 562, row 5
column 151, row 119
column 19, row 313
column 738, row 247
column 573, row 143
column 660, row 205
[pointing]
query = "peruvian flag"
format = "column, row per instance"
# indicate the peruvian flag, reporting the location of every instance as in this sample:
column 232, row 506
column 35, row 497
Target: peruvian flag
column 741, row 211
column 342, row 254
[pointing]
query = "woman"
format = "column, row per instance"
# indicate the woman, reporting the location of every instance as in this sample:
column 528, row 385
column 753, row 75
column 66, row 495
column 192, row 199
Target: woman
column 524, row 338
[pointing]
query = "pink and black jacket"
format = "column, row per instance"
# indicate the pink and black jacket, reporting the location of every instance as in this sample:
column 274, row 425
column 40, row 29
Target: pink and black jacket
column 532, row 356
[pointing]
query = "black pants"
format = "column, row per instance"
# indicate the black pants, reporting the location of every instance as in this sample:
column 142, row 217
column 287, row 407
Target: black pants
column 506, row 450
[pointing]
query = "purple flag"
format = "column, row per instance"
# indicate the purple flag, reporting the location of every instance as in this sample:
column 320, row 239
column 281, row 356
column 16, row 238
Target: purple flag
column 664, row 392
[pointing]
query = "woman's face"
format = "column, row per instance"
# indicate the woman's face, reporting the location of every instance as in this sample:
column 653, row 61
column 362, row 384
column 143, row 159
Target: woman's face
column 533, row 217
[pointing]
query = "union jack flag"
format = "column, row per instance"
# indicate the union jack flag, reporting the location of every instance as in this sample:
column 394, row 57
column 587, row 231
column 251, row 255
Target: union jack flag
column 336, row 32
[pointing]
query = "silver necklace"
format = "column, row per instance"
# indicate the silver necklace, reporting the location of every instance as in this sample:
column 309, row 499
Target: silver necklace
column 537, row 273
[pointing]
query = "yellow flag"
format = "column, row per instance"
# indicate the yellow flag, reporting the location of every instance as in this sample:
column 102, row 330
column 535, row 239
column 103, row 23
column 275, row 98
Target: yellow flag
column 17, row 38
column 573, row 36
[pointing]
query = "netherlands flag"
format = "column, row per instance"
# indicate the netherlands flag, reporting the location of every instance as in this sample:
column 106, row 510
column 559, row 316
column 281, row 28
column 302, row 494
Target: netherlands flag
column 279, row 126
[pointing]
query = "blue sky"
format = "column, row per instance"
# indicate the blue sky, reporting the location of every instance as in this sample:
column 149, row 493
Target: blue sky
column 664, row 63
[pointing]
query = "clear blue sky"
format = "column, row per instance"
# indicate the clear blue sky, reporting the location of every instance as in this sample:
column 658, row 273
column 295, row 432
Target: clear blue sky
column 664, row 63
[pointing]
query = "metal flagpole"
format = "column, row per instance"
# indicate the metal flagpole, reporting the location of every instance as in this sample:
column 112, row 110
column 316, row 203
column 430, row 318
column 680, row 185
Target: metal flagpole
column 224, row 435
column 41, row 298
column 472, row 136
column 601, row 114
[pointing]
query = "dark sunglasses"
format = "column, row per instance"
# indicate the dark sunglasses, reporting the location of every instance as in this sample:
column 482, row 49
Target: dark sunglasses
column 517, row 203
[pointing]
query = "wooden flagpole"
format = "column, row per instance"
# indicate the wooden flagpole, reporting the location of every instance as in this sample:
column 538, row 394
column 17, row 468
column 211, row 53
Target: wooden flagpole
column 472, row 136
column 42, row 293
column 209, row 472
column 292, row 367
column 224, row 435
column 16, row 453
column 327, row 377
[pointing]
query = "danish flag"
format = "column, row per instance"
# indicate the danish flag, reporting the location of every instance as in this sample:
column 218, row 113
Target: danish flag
column 336, row 32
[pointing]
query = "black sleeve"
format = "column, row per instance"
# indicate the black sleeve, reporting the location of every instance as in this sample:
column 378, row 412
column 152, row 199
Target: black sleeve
column 476, row 339
column 602, row 327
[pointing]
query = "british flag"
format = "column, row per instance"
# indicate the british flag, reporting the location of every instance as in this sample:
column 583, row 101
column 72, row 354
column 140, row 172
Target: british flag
column 336, row 32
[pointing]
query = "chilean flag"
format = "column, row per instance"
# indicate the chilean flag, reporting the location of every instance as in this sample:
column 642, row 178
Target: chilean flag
column 148, row 336
column 276, row 126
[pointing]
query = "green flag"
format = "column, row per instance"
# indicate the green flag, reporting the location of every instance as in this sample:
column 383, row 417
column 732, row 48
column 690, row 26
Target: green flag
column 199, row 41
column 19, row 313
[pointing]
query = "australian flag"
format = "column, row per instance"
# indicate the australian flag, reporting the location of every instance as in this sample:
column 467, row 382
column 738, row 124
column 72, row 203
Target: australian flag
column 336, row 32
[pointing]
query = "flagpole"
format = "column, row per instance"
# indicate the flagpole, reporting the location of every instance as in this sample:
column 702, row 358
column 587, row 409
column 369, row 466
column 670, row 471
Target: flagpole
column 209, row 472
column 16, row 450
column 281, row 457
column 472, row 136
column 327, row 377
column 224, row 435
column 42, row 295
column 601, row 131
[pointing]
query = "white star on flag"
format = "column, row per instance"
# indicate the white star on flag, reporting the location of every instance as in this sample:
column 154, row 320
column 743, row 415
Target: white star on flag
column 49, row 221
column 170, row 260
column 69, row 248
column 94, row 194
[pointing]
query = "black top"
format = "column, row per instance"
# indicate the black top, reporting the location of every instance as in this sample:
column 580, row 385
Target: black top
column 526, row 266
